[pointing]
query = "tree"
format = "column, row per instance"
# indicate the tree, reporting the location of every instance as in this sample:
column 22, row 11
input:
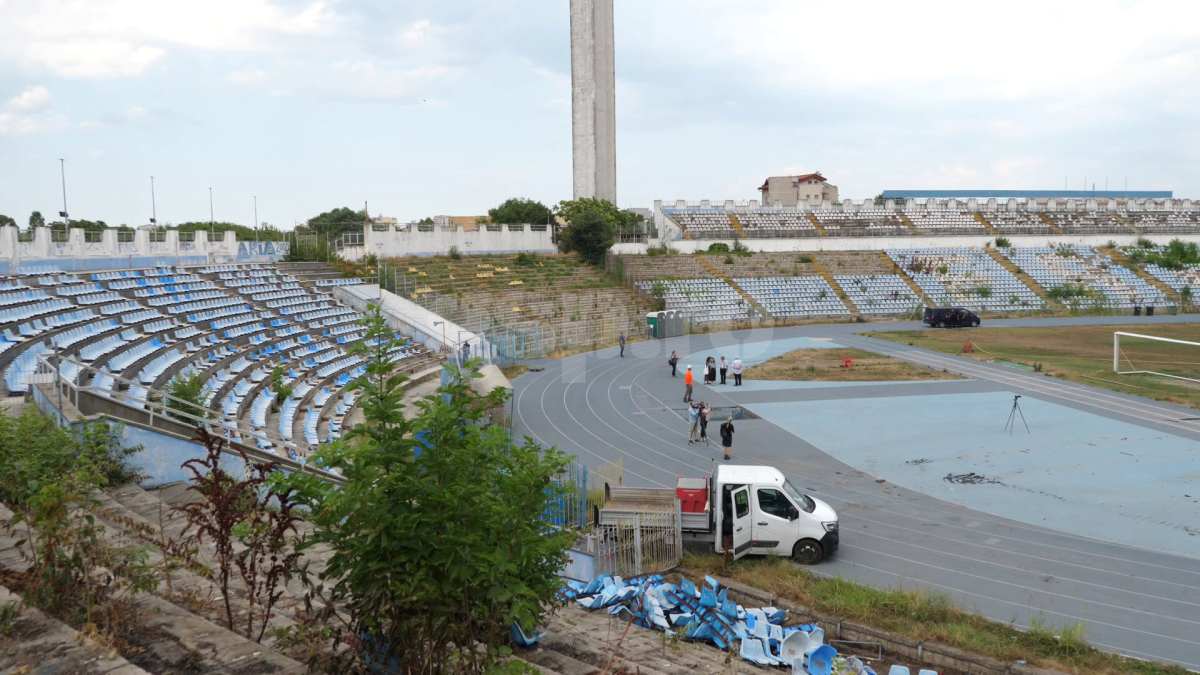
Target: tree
column 438, row 534
column 338, row 221
column 591, row 226
column 425, row 221
column 36, row 219
column 520, row 211
column 6, row 220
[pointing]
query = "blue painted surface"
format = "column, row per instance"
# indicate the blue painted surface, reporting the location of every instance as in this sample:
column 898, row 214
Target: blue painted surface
column 781, row 385
column 1028, row 194
column 1077, row 472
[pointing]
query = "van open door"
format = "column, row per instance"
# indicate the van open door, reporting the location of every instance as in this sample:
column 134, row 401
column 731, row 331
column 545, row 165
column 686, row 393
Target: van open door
column 742, row 533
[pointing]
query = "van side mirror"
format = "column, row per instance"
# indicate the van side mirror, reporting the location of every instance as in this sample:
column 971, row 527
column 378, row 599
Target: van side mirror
column 793, row 514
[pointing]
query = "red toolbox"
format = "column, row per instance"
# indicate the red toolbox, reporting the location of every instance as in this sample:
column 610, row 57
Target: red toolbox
column 692, row 494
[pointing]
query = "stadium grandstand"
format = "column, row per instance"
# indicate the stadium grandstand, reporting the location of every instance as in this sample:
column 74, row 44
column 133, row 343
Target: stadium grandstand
column 124, row 334
column 932, row 216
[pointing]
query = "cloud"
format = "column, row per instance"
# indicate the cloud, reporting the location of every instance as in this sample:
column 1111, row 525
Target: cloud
column 22, row 114
column 16, row 124
column 140, row 116
column 30, row 99
column 124, row 38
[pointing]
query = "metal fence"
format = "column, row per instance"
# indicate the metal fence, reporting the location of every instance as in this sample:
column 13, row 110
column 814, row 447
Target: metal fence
column 584, row 491
column 647, row 542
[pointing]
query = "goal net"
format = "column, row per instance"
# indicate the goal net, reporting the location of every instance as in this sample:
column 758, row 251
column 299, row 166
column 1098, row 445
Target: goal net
column 1137, row 354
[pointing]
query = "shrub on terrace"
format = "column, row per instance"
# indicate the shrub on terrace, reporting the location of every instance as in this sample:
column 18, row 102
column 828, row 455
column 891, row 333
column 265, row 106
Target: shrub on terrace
column 439, row 536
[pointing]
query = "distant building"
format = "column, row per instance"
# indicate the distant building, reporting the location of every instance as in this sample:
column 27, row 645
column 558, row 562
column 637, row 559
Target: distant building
column 791, row 190
column 384, row 220
column 467, row 223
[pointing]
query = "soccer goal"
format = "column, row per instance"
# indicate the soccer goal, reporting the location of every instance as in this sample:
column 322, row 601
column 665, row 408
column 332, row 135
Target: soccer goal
column 1155, row 355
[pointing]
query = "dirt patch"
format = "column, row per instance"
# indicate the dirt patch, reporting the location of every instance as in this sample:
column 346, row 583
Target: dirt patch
column 830, row 365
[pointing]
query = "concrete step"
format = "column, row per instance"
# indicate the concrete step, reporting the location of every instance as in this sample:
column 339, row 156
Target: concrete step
column 170, row 639
column 36, row 643
column 837, row 288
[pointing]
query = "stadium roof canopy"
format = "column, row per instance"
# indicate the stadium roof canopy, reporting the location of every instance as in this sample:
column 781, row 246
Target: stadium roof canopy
column 1028, row 194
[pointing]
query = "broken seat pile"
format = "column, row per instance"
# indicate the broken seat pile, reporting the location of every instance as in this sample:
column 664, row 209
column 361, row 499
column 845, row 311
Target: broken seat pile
column 706, row 613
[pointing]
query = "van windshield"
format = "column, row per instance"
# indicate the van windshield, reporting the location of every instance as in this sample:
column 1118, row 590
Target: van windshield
column 807, row 505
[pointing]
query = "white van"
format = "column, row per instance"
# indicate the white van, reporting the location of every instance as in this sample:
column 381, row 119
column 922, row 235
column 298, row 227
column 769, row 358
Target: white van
column 745, row 509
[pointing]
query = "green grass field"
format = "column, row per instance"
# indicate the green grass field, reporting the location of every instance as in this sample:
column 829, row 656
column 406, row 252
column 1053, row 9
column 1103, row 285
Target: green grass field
column 1081, row 354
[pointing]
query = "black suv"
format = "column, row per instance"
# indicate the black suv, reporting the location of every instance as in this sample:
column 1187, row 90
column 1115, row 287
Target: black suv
column 950, row 317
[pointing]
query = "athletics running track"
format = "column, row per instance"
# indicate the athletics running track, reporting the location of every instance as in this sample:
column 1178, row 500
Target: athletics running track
column 1133, row 600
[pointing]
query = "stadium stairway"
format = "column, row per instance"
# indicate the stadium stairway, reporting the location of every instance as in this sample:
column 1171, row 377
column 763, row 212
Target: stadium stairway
column 837, row 288
column 737, row 226
column 1123, row 260
column 1023, row 277
column 986, row 225
column 911, row 226
column 907, row 279
column 817, row 224
column 741, row 291
column 1126, row 223
column 1050, row 223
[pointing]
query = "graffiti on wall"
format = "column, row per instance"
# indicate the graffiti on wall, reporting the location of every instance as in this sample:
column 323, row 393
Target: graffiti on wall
column 256, row 249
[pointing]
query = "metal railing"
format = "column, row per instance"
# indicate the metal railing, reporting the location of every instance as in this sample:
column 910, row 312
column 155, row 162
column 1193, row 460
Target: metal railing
column 584, row 490
column 155, row 405
column 649, row 541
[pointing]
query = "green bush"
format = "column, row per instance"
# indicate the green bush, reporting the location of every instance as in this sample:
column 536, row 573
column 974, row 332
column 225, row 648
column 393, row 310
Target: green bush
column 1003, row 242
column 439, row 534
column 188, row 388
column 454, row 253
column 718, row 247
column 804, row 258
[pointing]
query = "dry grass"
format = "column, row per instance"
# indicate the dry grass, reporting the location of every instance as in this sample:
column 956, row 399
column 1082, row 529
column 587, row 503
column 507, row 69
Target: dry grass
column 1081, row 354
column 512, row 371
column 825, row 365
column 924, row 615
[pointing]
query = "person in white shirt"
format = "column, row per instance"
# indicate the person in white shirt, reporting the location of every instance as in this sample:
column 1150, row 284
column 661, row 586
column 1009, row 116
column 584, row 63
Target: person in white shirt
column 736, row 367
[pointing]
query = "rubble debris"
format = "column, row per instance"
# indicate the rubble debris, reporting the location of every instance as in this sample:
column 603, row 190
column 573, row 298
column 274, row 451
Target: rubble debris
column 707, row 614
column 971, row 478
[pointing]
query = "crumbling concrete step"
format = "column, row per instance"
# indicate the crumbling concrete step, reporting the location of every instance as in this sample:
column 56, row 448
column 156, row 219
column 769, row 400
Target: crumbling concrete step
column 552, row 661
column 45, row 645
column 146, row 505
column 590, row 636
column 175, row 640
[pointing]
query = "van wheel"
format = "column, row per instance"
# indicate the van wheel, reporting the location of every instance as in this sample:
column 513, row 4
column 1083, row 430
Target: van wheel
column 807, row 552
column 975, row 323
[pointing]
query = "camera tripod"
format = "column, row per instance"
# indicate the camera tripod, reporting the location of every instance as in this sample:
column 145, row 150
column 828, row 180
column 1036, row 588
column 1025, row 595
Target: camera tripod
column 1012, row 417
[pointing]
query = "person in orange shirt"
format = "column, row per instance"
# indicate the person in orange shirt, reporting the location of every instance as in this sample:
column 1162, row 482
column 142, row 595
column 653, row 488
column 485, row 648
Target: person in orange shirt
column 687, row 385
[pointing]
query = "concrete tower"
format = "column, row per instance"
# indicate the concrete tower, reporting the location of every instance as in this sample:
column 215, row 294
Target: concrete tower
column 593, row 100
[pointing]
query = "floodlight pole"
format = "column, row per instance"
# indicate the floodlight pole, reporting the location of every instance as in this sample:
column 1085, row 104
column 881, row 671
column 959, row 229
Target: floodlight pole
column 153, row 207
column 62, row 166
column 256, row 219
column 211, row 226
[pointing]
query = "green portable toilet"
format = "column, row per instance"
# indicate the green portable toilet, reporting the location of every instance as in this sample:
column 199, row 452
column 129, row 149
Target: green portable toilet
column 652, row 324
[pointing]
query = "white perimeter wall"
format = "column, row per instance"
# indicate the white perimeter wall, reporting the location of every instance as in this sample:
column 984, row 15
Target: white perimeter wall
column 408, row 317
column 398, row 243
column 877, row 243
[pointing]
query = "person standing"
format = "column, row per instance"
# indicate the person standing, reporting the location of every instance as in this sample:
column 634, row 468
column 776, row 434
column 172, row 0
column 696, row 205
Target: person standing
column 687, row 385
column 710, row 371
column 622, row 341
column 736, row 367
column 674, row 361
column 705, row 411
column 693, row 423
column 724, row 369
column 727, row 436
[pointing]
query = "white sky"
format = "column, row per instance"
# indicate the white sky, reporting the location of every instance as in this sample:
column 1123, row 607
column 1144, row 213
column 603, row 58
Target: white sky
column 424, row 107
